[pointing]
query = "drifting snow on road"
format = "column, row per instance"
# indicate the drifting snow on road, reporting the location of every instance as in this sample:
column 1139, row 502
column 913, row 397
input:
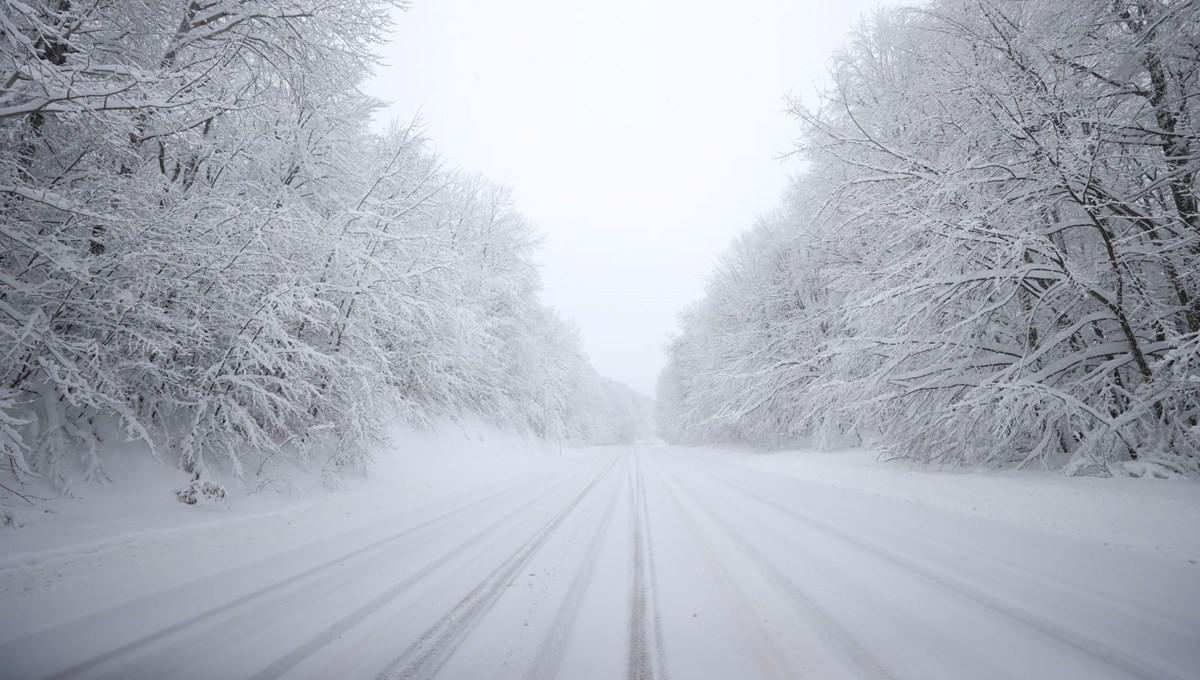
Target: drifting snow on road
column 651, row 563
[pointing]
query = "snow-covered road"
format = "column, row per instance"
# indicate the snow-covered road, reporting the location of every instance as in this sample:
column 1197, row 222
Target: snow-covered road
column 652, row 563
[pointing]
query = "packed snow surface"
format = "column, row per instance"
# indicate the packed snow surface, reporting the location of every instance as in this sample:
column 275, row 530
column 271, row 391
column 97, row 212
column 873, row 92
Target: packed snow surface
column 634, row 562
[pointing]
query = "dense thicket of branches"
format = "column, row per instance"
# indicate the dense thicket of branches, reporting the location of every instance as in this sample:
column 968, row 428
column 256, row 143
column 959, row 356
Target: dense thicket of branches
column 202, row 244
column 993, row 257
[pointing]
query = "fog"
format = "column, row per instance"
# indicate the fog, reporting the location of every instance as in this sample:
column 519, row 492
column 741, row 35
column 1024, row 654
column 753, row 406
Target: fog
column 640, row 137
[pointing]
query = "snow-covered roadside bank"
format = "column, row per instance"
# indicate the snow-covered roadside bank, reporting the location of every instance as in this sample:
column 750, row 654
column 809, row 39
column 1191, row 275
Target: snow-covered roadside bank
column 1156, row 516
column 123, row 539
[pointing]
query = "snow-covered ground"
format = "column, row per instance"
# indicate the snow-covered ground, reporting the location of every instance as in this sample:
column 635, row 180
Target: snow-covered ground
column 476, row 555
column 1159, row 516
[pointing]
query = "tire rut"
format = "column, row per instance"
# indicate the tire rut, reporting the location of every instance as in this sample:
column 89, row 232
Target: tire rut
column 771, row 660
column 646, row 654
column 425, row 657
column 1166, row 619
column 862, row 663
column 940, row 578
column 249, row 600
column 342, row 625
column 546, row 664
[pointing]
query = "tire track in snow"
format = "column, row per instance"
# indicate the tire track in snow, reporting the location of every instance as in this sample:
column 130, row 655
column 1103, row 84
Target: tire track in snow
column 425, row 657
column 344, row 624
column 1165, row 619
column 314, row 644
column 646, row 653
column 771, row 661
column 545, row 665
column 1135, row 607
column 835, row 637
column 253, row 599
column 284, row 603
column 943, row 579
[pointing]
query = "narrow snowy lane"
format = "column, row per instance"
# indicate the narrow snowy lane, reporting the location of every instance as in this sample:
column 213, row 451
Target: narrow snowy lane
column 653, row 563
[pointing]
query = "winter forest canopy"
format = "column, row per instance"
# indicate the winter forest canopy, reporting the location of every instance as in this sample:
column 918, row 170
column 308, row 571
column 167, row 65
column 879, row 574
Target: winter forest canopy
column 205, row 248
column 993, row 256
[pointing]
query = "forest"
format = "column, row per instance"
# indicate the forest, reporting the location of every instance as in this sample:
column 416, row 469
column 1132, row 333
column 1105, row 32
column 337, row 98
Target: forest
column 207, row 250
column 991, row 258
column 992, row 255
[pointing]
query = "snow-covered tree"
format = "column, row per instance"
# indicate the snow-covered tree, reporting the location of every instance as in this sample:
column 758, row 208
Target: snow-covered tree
column 202, row 244
column 1001, row 216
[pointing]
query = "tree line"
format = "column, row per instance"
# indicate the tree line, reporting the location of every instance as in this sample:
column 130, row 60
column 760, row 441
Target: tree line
column 204, row 247
column 992, row 257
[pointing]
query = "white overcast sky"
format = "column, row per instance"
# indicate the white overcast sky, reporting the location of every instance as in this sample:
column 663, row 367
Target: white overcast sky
column 640, row 136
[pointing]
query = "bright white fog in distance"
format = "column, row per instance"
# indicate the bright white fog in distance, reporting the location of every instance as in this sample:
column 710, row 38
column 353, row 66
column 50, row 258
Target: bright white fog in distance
column 639, row 136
